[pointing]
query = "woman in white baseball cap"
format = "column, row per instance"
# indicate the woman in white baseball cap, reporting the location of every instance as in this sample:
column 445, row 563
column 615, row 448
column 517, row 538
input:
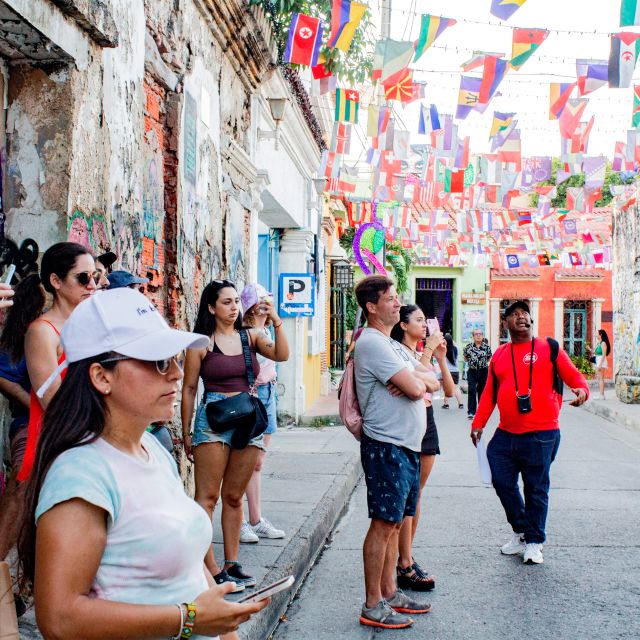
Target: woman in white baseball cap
column 109, row 529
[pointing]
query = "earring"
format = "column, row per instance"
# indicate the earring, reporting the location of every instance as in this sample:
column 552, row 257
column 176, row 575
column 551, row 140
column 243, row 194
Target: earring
column 107, row 392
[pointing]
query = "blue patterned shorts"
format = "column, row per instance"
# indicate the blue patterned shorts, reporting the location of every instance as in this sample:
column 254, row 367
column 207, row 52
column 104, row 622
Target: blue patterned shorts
column 392, row 476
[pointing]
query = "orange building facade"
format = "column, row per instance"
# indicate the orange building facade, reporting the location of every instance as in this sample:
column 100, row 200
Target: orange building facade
column 569, row 305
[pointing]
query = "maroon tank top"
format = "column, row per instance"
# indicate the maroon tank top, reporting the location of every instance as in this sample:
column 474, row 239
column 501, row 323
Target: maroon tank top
column 226, row 374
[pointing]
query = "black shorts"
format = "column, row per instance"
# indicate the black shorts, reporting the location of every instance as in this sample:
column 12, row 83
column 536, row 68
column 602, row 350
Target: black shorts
column 430, row 442
column 456, row 377
column 392, row 476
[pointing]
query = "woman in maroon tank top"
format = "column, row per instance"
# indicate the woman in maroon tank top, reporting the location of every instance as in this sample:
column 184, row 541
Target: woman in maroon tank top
column 220, row 470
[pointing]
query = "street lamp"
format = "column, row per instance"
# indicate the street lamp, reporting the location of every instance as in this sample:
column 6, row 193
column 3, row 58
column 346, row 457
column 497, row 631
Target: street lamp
column 343, row 274
column 277, row 107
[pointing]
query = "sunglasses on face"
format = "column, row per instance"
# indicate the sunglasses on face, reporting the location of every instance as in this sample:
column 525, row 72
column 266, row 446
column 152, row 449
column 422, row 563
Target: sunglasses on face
column 85, row 277
column 162, row 366
column 224, row 283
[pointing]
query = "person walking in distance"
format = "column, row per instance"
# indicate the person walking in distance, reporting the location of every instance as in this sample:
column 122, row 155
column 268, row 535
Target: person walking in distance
column 602, row 351
column 452, row 364
column 525, row 381
column 255, row 316
column 391, row 385
column 409, row 332
column 477, row 355
column 220, row 469
column 114, row 546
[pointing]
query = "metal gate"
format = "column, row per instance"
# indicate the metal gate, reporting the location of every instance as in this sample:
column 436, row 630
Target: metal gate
column 575, row 327
column 341, row 282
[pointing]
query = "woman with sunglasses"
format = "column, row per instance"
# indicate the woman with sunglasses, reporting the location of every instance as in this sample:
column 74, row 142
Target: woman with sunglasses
column 220, row 470
column 113, row 545
column 68, row 273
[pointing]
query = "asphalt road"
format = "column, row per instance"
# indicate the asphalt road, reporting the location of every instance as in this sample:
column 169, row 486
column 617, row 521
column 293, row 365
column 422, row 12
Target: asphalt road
column 588, row 586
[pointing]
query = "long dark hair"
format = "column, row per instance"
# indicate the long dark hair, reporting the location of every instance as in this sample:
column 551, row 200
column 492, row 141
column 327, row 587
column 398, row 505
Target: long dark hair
column 205, row 320
column 30, row 298
column 452, row 350
column 397, row 333
column 75, row 417
column 605, row 338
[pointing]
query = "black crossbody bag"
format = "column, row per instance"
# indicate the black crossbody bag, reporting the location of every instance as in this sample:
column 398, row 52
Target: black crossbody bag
column 243, row 413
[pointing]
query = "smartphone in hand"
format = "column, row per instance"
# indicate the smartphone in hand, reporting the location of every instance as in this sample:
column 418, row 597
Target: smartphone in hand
column 8, row 274
column 433, row 326
column 269, row 590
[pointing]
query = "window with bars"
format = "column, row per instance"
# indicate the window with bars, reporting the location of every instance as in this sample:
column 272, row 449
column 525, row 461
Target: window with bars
column 574, row 325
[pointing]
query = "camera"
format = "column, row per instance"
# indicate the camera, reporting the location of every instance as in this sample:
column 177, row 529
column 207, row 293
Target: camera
column 524, row 403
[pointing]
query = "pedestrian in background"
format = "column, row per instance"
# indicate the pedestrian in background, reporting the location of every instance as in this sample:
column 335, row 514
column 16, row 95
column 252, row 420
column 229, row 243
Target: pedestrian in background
column 255, row 316
column 477, row 355
column 390, row 385
column 452, row 365
column 120, row 278
column 68, row 273
column 221, row 470
column 602, row 351
column 104, row 265
column 113, row 545
column 525, row 383
column 409, row 332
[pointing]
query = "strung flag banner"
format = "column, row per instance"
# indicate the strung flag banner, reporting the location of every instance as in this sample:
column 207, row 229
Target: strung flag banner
column 431, row 27
column 492, row 75
column 635, row 119
column 570, row 117
column 347, row 104
column 400, row 87
column 559, row 94
column 513, row 262
column 500, row 122
column 345, row 18
column 592, row 74
column 305, row 38
column 323, row 80
column 468, row 96
column 629, row 13
column 525, row 44
column 373, row 116
column 395, row 60
column 594, row 172
column 536, row 169
column 504, row 9
column 340, row 138
column 622, row 60
column 429, row 119
column 478, row 59
column 502, row 136
column 619, row 156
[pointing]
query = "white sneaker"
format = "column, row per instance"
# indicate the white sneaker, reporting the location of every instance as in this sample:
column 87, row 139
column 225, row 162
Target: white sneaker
column 533, row 553
column 265, row 529
column 515, row 546
column 247, row 535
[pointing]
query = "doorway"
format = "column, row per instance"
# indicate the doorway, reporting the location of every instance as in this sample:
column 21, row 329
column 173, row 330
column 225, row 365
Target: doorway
column 435, row 297
column 575, row 327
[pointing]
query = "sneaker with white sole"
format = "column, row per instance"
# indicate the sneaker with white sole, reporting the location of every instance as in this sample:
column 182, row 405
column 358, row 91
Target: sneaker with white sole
column 515, row 546
column 223, row 576
column 533, row 553
column 264, row 529
column 247, row 534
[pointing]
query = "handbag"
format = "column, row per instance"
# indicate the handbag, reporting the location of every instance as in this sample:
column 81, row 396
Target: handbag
column 243, row 413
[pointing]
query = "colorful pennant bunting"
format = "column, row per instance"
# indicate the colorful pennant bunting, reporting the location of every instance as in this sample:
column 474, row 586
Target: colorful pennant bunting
column 345, row 18
column 504, row 9
column 347, row 105
column 559, row 94
column 429, row 119
column 622, row 60
column 629, row 13
column 305, row 38
column 468, row 96
column 525, row 44
column 430, row 28
column 635, row 118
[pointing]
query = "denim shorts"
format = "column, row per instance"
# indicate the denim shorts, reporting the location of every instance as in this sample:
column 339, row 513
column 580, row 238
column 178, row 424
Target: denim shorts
column 267, row 393
column 202, row 432
column 392, row 476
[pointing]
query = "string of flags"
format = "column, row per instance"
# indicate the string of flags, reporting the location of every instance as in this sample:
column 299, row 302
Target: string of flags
column 453, row 206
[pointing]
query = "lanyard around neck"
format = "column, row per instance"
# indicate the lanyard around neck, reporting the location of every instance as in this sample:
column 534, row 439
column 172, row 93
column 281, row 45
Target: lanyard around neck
column 513, row 362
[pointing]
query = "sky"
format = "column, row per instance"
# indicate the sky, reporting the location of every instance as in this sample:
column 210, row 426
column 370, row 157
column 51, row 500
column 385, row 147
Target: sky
column 583, row 28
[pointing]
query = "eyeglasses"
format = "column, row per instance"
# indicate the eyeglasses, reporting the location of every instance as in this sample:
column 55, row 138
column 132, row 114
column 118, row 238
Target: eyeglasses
column 162, row 366
column 85, row 277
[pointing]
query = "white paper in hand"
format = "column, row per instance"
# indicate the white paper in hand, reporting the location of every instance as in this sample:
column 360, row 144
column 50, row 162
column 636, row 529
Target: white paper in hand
column 483, row 462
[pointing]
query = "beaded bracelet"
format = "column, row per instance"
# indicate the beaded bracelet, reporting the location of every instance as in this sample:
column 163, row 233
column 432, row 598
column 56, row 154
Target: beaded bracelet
column 181, row 610
column 190, row 620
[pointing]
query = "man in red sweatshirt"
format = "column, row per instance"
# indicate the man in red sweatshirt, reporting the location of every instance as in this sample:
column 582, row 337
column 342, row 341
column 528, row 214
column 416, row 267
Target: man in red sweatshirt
column 528, row 435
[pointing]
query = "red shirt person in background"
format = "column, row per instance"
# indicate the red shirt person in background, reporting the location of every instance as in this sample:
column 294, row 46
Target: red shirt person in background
column 528, row 435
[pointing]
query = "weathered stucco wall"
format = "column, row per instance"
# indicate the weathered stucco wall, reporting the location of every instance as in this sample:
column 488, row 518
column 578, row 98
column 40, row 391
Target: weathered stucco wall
column 626, row 292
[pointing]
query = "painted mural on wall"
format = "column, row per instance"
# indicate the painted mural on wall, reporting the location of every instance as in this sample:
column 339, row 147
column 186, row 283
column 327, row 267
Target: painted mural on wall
column 89, row 230
column 24, row 257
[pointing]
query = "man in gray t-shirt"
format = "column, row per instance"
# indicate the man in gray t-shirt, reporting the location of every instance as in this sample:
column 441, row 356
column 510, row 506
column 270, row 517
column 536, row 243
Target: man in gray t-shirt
column 390, row 387
column 387, row 418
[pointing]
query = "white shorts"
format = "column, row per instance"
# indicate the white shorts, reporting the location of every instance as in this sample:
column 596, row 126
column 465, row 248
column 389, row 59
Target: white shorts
column 601, row 362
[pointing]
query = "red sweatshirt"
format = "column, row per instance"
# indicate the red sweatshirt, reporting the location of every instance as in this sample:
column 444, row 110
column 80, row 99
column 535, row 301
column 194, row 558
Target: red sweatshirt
column 546, row 403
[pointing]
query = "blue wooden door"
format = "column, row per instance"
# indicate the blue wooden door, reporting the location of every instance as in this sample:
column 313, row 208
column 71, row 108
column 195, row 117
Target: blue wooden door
column 575, row 331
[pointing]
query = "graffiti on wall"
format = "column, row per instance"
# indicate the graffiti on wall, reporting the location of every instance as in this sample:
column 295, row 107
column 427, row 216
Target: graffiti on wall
column 24, row 257
column 89, row 230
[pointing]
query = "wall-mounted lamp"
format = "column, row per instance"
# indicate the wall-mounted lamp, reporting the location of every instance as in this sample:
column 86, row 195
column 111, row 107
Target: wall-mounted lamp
column 319, row 185
column 277, row 107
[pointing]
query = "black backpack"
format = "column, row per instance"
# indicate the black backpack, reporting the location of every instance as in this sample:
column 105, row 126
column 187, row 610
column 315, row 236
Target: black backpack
column 558, row 385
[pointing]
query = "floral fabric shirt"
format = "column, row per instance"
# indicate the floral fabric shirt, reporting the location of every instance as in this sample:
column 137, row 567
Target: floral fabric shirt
column 477, row 357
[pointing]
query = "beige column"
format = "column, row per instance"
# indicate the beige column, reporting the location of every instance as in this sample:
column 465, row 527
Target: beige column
column 558, row 317
column 494, row 323
column 596, row 315
column 535, row 307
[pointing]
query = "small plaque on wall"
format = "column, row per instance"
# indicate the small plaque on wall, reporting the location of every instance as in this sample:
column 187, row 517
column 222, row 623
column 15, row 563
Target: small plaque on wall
column 606, row 316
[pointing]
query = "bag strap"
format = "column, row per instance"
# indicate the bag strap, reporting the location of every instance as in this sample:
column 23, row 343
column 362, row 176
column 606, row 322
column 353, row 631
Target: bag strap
column 248, row 362
column 371, row 388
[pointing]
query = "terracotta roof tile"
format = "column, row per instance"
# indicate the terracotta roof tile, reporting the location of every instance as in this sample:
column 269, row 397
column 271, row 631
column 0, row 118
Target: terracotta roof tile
column 520, row 272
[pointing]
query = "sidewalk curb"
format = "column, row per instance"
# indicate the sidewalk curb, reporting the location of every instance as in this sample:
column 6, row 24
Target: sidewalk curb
column 611, row 414
column 300, row 554
column 307, row 421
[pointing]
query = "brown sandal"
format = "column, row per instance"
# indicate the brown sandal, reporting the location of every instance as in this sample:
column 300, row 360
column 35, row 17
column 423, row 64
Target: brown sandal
column 418, row 581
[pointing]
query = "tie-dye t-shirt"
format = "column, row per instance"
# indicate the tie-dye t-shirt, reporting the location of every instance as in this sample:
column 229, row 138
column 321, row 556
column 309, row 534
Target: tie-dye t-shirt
column 157, row 536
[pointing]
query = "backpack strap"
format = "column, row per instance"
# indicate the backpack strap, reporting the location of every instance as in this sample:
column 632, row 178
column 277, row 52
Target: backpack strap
column 554, row 347
column 248, row 362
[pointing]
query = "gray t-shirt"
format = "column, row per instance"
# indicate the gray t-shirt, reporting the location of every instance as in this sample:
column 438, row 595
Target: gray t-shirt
column 400, row 421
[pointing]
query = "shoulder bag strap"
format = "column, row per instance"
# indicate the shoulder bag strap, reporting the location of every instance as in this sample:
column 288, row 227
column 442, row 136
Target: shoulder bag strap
column 248, row 362
column 371, row 388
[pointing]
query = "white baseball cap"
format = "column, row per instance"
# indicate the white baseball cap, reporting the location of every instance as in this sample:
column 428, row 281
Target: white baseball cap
column 124, row 321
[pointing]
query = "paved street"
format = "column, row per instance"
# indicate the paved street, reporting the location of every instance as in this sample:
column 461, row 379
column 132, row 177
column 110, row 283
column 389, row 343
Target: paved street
column 587, row 588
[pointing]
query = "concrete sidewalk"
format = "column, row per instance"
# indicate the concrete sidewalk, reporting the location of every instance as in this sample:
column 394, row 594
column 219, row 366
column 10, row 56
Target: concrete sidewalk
column 308, row 479
column 614, row 410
